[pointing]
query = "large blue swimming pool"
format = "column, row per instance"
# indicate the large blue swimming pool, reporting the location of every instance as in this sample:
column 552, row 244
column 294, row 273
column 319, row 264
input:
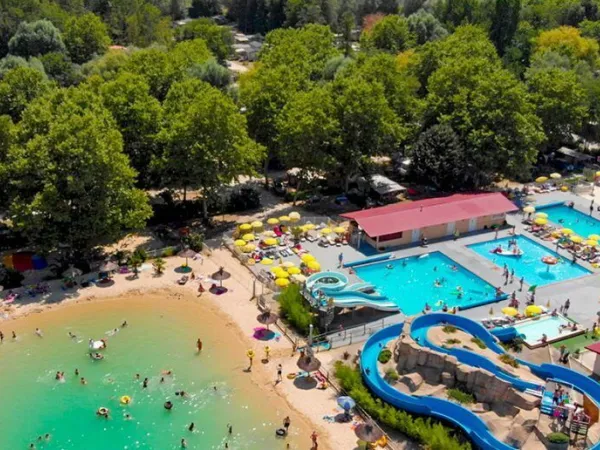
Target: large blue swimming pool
column 530, row 264
column 411, row 282
column 583, row 224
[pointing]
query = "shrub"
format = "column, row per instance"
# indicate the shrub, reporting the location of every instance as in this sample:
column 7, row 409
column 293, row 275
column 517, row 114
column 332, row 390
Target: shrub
column 392, row 375
column 449, row 329
column 557, row 438
column 295, row 310
column 452, row 341
column 244, row 199
column 159, row 266
column 195, row 241
column 460, row 396
column 478, row 342
column 384, row 356
column 167, row 252
column 430, row 433
column 507, row 359
column 516, row 345
column 141, row 254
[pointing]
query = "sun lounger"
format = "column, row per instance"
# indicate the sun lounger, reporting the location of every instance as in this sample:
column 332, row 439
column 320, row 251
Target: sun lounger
column 184, row 279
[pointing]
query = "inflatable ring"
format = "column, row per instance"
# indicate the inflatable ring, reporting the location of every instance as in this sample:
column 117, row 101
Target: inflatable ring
column 280, row 432
column 291, row 376
column 102, row 411
column 125, row 400
column 550, row 260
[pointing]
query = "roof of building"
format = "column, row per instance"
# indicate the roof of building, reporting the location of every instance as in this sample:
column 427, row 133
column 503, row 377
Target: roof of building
column 430, row 212
column 594, row 348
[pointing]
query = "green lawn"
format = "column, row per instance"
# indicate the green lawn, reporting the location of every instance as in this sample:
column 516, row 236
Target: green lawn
column 577, row 342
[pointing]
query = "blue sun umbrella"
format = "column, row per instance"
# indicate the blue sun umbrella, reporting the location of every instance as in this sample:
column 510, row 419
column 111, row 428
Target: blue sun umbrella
column 346, row 403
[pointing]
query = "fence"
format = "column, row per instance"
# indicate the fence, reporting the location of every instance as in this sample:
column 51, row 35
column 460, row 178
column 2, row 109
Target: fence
column 349, row 336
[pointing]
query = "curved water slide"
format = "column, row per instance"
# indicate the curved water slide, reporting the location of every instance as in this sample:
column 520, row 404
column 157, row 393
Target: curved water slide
column 351, row 299
column 449, row 411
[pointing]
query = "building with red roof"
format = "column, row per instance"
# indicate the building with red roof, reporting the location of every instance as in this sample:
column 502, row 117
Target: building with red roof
column 433, row 218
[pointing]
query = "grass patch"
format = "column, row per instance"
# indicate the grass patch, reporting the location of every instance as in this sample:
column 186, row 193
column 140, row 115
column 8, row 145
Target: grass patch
column 516, row 345
column 557, row 438
column 575, row 343
column 384, row 356
column 452, row 341
column 467, row 347
column 428, row 432
column 460, row 396
column 449, row 329
column 294, row 310
column 507, row 359
column 478, row 342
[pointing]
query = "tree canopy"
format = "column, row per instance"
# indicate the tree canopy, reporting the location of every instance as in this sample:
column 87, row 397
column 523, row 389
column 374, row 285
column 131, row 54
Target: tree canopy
column 36, row 38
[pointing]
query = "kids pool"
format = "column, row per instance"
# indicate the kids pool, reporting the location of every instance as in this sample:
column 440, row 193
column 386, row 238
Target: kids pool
column 583, row 224
column 411, row 283
column 532, row 330
column 530, row 264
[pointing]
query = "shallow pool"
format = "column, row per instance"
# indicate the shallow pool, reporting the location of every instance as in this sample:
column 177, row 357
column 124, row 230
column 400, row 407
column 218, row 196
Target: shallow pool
column 530, row 264
column 411, row 282
column 549, row 325
column 581, row 223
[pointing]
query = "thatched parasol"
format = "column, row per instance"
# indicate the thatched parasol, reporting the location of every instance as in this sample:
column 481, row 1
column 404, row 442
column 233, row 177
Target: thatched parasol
column 368, row 432
column 267, row 318
column 220, row 275
column 186, row 253
column 308, row 363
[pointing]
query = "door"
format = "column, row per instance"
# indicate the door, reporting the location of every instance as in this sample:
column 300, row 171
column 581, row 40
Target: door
column 473, row 224
column 416, row 235
column 450, row 229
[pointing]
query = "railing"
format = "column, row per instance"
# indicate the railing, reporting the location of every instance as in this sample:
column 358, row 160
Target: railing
column 361, row 333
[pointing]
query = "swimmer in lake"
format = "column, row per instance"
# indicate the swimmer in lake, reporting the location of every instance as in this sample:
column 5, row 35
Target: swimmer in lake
column 404, row 263
column 72, row 336
column 124, row 324
column 39, row 332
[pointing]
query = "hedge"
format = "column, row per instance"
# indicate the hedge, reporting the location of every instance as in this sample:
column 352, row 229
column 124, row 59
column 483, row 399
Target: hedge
column 430, row 433
column 294, row 310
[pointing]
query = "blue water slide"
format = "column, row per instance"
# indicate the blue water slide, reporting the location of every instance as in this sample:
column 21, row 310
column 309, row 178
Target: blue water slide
column 505, row 334
column 360, row 287
column 350, row 299
column 315, row 281
column 473, row 426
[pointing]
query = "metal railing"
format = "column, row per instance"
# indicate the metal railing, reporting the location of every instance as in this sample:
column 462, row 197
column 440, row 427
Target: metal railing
column 361, row 333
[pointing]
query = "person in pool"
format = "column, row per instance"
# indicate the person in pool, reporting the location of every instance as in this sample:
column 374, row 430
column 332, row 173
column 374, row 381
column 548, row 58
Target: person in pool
column 437, row 283
column 389, row 266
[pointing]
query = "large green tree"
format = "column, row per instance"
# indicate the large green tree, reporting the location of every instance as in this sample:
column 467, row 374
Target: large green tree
column 505, row 23
column 425, row 27
column 391, row 34
column 147, row 25
column 20, row 86
column 219, row 39
column 70, row 184
column 85, row 36
column 36, row 38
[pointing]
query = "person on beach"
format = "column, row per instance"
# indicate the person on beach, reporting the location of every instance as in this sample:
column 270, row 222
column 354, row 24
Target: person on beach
column 314, row 437
column 521, row 281
column 14, row 335
column 267, row 352
column 286, row 424
column 279, row 372
column 1, row 337
column 199, row 345
column 200, row 289
column 566, row 306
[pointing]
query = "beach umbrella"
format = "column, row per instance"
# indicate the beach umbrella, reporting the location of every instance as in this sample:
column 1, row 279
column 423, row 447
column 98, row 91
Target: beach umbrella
column 541, row 221
column 269, row 233
column 248, row 237
column 270, row 241
column 541, row 179
column 529, row 209
column 309, row 226
column 555, row 176
column 313, row 265
column 566, row 231
column 346, row 403
column 282, row 282
column 284, row 218
column 287, row 264
column 186, row 253
column 273, row 221
column 368, row 433
column 591, row 242
column 308, row 363
column 294, row 216
column 510, row 311
column 543, row 215
column 276, row 269
column 339, row 230
column 282, row 274
column 598, row 173
column 595, row 237
column 257, row 224
column 108, row 266
column 221, row 275
column 576, row 239
column 294, row 271
column 245, row 227
column 326, row 231
column 248, row 248
column 266, row 261
column 267, row 318
column 239, row 243
column 533, row 310
column 299, row 278
column 72, row 272
column 307, row 257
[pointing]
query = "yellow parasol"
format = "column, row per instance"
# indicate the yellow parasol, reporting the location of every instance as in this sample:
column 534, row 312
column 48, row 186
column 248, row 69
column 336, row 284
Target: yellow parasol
column 248, row 237
column 326, row 231
column 282, row 274
column 555, row 176
column 564, row 188
column 595, row 237
column 257, row 224
column 273, row 221
column 529, row 209
column 307, row 257
column 533, row 310
column 282, row 282
column 309, row 226
column 299, row 278
column 284, row 219
column 313, row 265
column 248, row 248
column 276, row 269
column 239, row 243
column 541, row 221
column 266, row 261
column 294, row 271
column 566, row 231
column 576, row 239
column 591, row 242
column 510, row 311
column 339, row 230
column 270, row 241
column 542, row 215
column 598, row 173
column 294, row 216
column 541, row 179
column 245, row 227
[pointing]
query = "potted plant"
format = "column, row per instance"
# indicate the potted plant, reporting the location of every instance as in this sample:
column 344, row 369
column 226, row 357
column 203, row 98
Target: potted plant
column 557, row 441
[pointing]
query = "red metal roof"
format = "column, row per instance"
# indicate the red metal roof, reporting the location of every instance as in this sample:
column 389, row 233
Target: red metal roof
column 429, row 212
column 594, row 348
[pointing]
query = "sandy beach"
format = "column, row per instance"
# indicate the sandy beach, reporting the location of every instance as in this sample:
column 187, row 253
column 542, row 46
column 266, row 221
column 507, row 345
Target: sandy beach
column 233, row 311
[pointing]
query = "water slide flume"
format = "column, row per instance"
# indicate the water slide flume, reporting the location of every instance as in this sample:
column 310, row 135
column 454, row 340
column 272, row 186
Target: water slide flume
column 449, row 411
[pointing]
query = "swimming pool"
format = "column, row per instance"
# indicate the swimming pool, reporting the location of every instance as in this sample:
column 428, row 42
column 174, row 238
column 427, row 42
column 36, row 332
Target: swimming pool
column 583, row 224
column 548, row 325
column 529, row 265
column 410, row 283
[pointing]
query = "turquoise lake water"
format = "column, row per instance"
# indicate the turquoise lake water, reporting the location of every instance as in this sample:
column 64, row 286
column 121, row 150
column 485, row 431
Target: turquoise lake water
column 530, row 264
column 410, row 283
column 581, row 223
column 34, row 403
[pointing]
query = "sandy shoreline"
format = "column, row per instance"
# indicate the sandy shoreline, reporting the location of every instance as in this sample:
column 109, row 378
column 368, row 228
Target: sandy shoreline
column 233, row 311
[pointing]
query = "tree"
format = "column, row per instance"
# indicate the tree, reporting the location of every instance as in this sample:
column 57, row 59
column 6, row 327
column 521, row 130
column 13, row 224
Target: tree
column 159, row 265
column 425, row 27
column 138, row 116
column 135, row 261
column 85, row 36
column 70, row 185
column 204, row 8
column 391, row 34
column 18, row 87
column 347, row 24
column 517, row 56
column 504, row 23
column 560, row 100
column 59, row 68
column 36, row 38
column 459, row 12
column 6, row 138
column 147, row 25
column 10, row 62
column 590, row 29
column 438, row 158
column 206, row 144
column 212, row 72
column 219, row 39
column 568, row 41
